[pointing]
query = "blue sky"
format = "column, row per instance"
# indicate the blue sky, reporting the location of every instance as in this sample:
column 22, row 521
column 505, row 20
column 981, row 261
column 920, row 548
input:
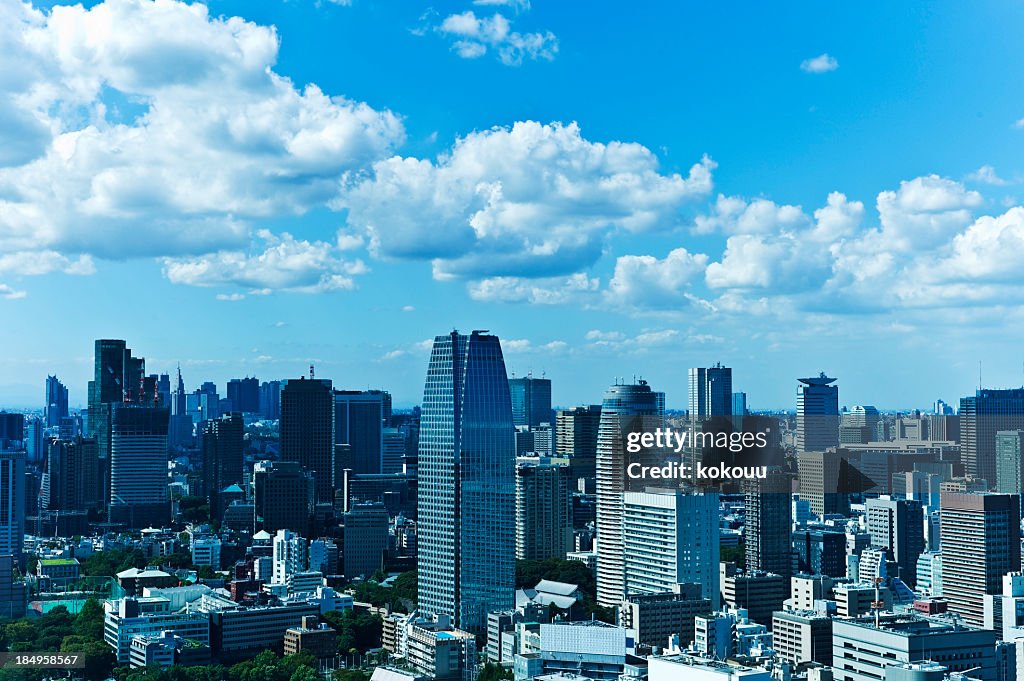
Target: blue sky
column 246, row 188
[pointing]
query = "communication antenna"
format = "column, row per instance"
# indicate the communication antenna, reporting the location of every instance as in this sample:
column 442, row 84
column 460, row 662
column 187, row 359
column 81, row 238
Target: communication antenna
column 312, row 373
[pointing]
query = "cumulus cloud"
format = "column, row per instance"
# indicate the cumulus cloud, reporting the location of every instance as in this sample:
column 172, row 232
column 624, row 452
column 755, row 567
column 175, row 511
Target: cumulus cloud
column 925, row 211
column 34, row 263
column 474, row 36
column 986, row 174
column 735, row 215
column 823, row 63
column 154, row 129
column 646, row 281
column 276, row 263
column 528, row 201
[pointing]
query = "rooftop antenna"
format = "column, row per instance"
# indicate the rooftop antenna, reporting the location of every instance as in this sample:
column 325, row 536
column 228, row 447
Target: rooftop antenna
column 312, row 373
column 979, row 375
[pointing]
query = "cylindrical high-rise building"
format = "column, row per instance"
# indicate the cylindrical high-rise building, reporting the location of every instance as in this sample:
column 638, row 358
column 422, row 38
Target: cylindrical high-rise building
column 626, row 409
column 466, row 562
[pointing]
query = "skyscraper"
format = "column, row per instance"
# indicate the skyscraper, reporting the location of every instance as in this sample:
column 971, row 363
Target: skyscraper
column 671, row 537
column 769, row 518
column 897, row 525
column 138, row 466
column 359, row 423
column 12, row 503
column 626, row 409
column 531, row 400
column 981, row 417
column 710, row 392
column 817, row 414
column 56, row 402
column 543, row 510
column 283, row 495
column 466, row 482
column 1010, row 462
column 270, row 400
column 71, row 480
column 307, row 431
column 223, row 454
column 576, row 439
column 244, row 394
column 980, row 544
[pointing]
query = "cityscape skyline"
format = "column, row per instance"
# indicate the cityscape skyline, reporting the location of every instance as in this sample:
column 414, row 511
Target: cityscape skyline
column 375, row 198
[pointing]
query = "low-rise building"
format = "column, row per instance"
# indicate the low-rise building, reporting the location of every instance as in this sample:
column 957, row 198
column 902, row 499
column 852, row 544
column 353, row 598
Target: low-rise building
column 126, row 618
column 311, row 636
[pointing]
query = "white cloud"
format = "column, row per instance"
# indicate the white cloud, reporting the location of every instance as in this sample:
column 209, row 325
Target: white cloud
column 925, row 212
column 531, row 201
column 473, row 36
column 986, row 174
column 646, row 281
column 230, row 297
column 408, row 308
column 823, row 63
column 34, row 263
column 990, row 250
column 518, row 5
column 735, row 215
column 1019, row 124
column 154, row 129
column 9, row 293
column 284, row 264
column 544, row 291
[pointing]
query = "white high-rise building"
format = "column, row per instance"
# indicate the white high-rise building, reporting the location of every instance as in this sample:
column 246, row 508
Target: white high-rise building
column 671, row 537
column 291, row 555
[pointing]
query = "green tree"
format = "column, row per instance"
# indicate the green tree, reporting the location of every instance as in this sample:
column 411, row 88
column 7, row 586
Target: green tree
column 494, row 672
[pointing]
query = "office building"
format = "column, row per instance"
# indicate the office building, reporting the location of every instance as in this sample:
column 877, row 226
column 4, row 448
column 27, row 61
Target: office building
column 244, row 395
column 71, row 481
column 359, row 423
column 820, row 550
column 982, row 416
column 1010, row 462
column 223, row 455
column 283, row 496
column 694, row 668
column 126, row 618
column 12, row 503
column 769, row 519
column 759, row 593
column 710, row 392
column 56, row 402
column 531, row 401
column 139, row 495
column 576, row 439
column 393, row 442
column 238, row 632
column 817, row 414
column 291, row 555
column 466, row 498
column 307, row 431
column 862, row 650
column 980, row 544
column 543, row 510
column 365, row 540
column 626, row 409
column 313, row 637
column 819, row 482
column 897, row 526
column 670, row 537
column 270, row 400
column 590, row 649
column 802, row 636
column 657, row 617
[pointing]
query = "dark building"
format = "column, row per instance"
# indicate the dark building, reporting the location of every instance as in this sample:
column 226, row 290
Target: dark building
column 270, row 400
column 981, row 417
column 820, row 551
column 244, row 395
column 576, row 439
column 71, row 481
column 365, row 540
column 139, row 495
column 307, row 431
column 12, row 430
column 283, row 496
column 531, row 401
column 769, row 519
column 358, row 422
column 56, row 402
column 223, row 454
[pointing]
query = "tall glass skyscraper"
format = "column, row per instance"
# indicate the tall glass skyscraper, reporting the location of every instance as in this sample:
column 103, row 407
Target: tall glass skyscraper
column 531, row 401
column 626, row 409
column 817, row 414
column 466, row 482
column 982, row 416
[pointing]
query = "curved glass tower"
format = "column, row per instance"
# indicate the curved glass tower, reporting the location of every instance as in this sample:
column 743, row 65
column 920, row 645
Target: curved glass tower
column 626, row 409
column 466, row 524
